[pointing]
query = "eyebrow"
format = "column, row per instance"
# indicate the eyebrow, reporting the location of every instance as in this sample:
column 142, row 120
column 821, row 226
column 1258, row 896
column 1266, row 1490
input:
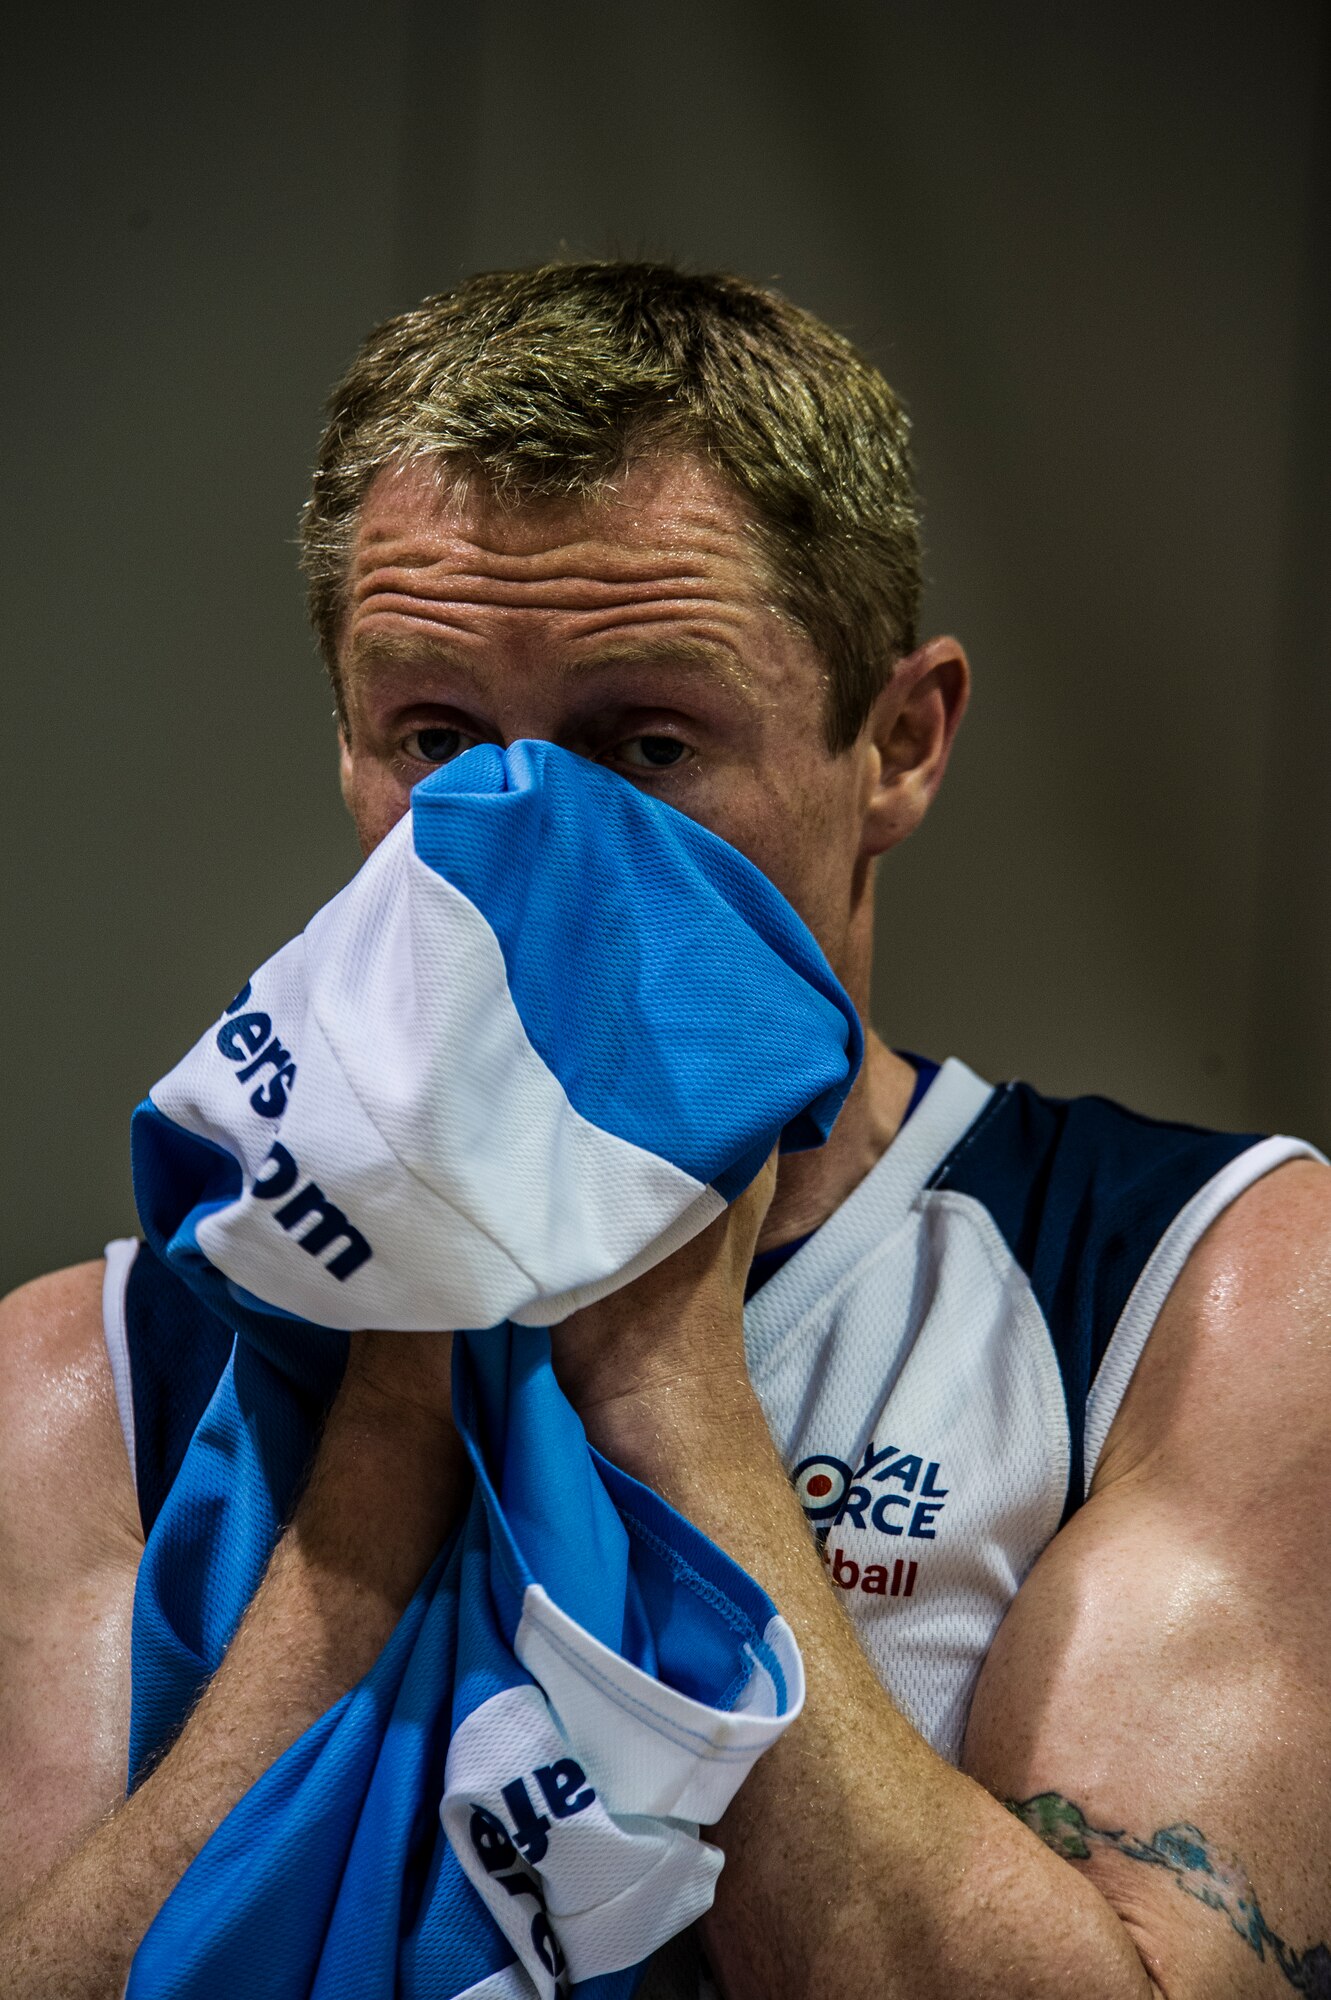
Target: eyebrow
column 694, row 657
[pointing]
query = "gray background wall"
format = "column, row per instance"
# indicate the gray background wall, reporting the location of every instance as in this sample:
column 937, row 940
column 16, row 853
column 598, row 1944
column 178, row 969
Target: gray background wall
column 1088, row 244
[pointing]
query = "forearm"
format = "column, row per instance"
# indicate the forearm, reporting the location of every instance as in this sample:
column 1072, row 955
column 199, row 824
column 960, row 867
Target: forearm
column 385, row 1488
column 851, row 1842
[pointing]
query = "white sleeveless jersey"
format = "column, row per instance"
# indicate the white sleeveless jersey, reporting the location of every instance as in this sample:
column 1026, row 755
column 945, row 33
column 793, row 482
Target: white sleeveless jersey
column 940, row 1363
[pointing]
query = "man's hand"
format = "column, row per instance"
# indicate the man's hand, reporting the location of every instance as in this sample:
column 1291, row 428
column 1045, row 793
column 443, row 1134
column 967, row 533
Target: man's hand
column 408, row 1375
column 680, row 1325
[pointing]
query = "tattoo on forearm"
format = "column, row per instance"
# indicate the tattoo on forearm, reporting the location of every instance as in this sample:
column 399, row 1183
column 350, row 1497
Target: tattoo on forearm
column 1214, row 1878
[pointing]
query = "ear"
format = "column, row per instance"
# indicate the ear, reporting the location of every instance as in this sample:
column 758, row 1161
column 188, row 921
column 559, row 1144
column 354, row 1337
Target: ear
column 344, row 767
column 909, row 736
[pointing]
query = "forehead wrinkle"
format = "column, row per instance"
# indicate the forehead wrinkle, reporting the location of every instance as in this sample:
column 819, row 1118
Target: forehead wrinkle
column 606, row 562
column 533, row 593
column 618, row 560
column 695, row 656
column 408, row 623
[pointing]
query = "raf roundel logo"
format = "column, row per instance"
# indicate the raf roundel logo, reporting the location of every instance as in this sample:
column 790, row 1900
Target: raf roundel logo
column 821, row 1483
column 892, row 1492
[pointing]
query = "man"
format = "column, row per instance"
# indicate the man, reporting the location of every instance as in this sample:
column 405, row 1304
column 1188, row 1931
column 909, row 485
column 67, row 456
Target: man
column 667, row 523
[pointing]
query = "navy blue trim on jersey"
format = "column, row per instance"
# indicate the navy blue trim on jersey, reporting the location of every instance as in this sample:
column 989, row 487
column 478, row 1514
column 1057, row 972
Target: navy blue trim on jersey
column 177, row 1352
column 926, row 1069
column 1082, row 1191
column 767, row 1263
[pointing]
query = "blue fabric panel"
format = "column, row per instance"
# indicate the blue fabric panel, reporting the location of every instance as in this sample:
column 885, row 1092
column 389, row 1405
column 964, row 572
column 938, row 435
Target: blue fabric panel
column 639, row 1022
column 690, row 1650
column 194, row 1582
column 178, row 1349
column 506, row 1389
column 684, row 1006
column 1082, row 1190
column 368, row 1899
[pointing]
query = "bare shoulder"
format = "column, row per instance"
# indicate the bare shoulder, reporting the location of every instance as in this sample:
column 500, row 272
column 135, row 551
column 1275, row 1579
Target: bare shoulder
column 1241, row 1350
column 65, row 1478
column 70, row 1542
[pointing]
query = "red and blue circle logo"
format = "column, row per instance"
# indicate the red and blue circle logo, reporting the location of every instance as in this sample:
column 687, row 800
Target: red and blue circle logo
column 822, row 1483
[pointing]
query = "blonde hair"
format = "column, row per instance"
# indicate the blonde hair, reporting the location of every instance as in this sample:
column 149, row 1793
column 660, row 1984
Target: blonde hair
column 546, row 382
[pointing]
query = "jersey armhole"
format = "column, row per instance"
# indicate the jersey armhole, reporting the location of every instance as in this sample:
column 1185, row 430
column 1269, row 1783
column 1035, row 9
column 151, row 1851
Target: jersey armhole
column 120, row 1257
column 1157, row 1278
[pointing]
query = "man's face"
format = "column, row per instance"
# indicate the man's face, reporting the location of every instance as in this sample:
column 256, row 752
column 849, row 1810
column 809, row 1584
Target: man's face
column 636, row 630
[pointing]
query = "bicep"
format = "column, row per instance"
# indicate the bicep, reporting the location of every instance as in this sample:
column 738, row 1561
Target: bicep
column 1144, row 1715
column 1158, row 1702
column 69, row 1547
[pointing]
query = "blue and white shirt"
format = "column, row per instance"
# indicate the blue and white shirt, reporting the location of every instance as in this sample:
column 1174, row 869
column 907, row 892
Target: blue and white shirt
column 939, row 1363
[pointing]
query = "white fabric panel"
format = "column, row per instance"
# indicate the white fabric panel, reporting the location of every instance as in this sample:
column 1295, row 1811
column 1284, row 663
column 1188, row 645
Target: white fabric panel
column 462, row 1098
column 647, row 1747
column 907, row 1322
column 912, row 1327
column 1157, row 1278
column 450, row 1181
column 616, row 1885
column 510, row 1984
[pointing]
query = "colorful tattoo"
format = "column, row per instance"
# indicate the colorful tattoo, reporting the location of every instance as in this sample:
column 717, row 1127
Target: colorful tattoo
column 1200, row 1870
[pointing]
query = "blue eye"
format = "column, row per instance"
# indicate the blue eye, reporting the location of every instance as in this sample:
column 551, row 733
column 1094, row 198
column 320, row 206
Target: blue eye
column 437, row 746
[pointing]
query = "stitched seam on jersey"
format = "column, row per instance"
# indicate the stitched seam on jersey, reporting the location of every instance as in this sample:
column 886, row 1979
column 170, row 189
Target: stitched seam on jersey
column 955, row 1084
column 1007, row 1270
column 763, row 1340
column 679, row 1732
column 710, row 1593
column 877, row 1253
column 974, row 1131
column 874, row 1253
column 511, row 1982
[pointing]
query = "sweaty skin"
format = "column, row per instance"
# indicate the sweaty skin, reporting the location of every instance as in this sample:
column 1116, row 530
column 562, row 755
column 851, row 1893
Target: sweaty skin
column 1164, row 1666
